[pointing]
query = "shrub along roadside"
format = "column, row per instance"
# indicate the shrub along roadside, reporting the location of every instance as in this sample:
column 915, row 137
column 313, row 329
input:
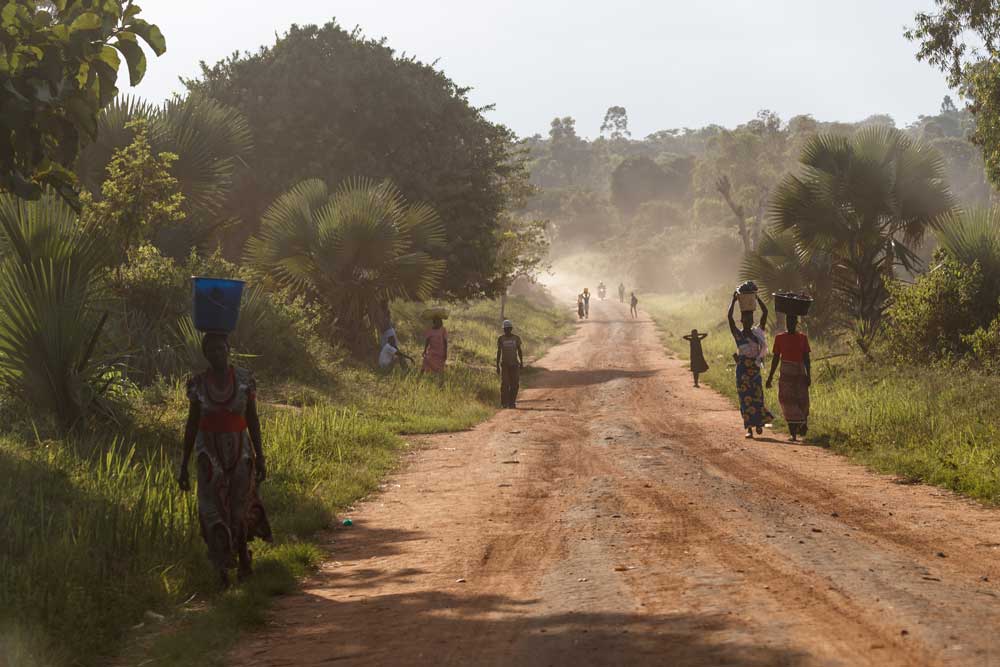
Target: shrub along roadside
column 936, row 424
column 99, row 534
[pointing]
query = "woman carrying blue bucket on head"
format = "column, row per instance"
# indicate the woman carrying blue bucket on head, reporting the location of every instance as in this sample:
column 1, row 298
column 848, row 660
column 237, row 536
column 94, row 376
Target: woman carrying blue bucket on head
column 223, row 432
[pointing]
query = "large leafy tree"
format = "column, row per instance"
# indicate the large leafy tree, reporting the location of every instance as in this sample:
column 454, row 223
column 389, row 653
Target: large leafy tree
column 354, row 250
column 326, row 103
column 58, row 68
column 743, row 166
column 616, row 123
column 866, row 201
column 962, row 38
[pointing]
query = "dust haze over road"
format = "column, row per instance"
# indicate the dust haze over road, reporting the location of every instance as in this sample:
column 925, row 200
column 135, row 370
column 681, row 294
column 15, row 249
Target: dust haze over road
column 618, row 517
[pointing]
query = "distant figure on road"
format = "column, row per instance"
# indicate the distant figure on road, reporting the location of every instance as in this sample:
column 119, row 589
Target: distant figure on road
column 621, row 292
column 579, row 305
column 791, row 350
column 586, row 302
column 635, row 306
column 435, row 347
column 751, row 343
column 602, row 291
column 510, row 361
column 698, row 363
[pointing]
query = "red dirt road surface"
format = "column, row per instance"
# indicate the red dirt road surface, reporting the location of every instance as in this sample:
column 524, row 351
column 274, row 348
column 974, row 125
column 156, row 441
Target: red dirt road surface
column 618, row 517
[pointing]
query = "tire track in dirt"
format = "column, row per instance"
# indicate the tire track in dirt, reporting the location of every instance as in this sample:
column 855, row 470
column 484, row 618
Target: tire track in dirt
column 618, row 517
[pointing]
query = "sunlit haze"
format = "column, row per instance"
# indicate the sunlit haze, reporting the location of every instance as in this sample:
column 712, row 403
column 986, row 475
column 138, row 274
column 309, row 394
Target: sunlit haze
column 670, row 64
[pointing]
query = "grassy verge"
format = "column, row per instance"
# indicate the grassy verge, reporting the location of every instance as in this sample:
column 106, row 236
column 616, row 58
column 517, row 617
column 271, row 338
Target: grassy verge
column 937, row 425
column 97, row 540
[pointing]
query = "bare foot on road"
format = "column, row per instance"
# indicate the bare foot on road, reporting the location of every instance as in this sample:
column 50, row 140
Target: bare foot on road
column 618, row 517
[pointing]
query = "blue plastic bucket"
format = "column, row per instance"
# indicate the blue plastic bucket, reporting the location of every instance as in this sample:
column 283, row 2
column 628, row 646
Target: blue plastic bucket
column 216, row 304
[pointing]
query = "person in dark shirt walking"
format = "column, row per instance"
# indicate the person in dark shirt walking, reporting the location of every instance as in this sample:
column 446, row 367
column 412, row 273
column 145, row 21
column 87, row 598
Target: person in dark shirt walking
column 510, row 361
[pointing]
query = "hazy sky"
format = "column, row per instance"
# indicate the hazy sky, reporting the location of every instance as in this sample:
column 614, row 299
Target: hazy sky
column 670, row 63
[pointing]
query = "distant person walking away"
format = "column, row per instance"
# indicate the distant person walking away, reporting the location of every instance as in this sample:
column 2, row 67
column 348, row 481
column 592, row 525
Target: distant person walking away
column 791, row 351
column 579, row 306
column 435, row 348
column 510, row 361
column 621, row 292
column 751, row 345
column 635, row 306
column 698, row 363
column 586, row 302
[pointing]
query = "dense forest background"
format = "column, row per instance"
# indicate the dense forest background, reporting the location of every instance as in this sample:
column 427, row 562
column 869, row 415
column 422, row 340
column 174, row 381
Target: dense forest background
column 678, row 209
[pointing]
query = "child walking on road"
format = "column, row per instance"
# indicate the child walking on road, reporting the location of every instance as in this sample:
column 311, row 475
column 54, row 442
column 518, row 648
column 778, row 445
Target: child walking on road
column 635, row 306
column 698, row 363
column 510, row 361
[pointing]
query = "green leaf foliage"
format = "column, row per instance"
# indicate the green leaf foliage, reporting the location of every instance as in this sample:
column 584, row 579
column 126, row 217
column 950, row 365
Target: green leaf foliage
column 57, row 71
column 139, row 196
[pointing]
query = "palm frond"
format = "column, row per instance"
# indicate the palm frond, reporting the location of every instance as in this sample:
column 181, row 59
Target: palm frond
column 361, row 246
column 973, row 236
column 49, row 308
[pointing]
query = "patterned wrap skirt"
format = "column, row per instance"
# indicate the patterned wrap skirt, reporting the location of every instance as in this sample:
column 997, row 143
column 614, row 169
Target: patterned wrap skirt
column 751, row 393
column 793, row 392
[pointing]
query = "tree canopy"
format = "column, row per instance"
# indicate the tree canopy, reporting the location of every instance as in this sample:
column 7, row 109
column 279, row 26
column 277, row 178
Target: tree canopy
column 945, row 37
column 58, row 68
column 326, row 103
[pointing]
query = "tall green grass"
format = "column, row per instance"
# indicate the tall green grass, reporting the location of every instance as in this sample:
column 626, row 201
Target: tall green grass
column 935, row 424
column 94, row 533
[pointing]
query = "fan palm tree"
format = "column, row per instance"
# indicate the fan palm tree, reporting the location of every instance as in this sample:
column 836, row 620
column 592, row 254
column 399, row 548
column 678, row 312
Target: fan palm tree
column 866, row 201
column 972, row 236
column 354, row 250
column 781, row 263
column 50, row 318
column 211, row 141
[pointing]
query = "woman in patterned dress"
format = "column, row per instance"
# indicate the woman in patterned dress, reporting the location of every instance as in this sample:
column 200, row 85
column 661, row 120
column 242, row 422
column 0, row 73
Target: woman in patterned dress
column 223, row 431
column 751, row 344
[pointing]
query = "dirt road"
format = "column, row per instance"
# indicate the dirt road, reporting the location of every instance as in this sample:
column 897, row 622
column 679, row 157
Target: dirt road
column 618, row 517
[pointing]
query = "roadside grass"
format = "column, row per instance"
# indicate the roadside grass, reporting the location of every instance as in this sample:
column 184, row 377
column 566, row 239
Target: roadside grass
column 99, row 548
column 937, row 424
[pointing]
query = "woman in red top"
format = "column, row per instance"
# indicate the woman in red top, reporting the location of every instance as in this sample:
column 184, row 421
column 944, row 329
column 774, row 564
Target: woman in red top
column 223, row 431
column 791, row 350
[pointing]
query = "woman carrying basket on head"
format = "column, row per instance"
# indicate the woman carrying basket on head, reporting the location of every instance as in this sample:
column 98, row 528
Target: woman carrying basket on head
column 791, row 352
column 751, row 344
